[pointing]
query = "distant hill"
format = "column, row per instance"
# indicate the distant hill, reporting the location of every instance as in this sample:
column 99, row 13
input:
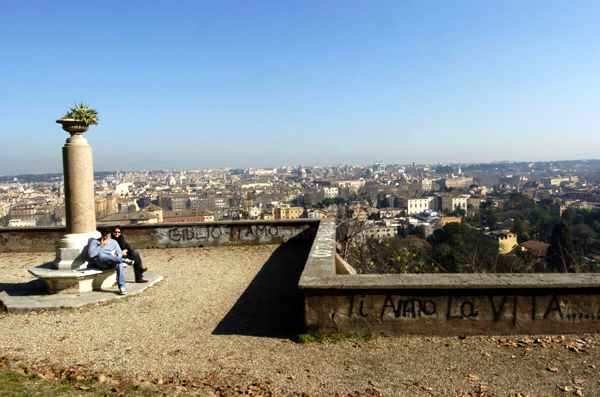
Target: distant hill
column 36, row 178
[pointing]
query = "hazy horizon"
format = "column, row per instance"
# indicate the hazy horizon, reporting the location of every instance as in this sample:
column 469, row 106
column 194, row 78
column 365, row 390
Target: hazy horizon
column 306, row 166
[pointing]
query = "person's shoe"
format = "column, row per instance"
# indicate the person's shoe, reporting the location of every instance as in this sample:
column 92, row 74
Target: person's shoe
column 122, row 291
column 141, row 280
column 144, row 270
column 130, row 262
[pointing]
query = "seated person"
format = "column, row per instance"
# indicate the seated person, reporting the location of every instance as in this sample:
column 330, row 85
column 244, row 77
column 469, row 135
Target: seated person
column 106, row 254
column 130, row 253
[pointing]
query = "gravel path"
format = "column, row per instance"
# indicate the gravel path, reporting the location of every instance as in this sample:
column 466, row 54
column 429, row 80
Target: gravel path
column 232, row 311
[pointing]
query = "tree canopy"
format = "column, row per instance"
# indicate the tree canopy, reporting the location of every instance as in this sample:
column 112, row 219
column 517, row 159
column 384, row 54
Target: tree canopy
column 561, row 256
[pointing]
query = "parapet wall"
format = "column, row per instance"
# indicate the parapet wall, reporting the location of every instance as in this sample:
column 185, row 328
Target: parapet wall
column 432, row 304
column 443, row 304
column 167, row 235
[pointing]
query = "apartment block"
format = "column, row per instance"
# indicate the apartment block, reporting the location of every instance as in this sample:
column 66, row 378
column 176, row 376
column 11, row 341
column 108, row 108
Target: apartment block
column 452, row 202
column 287, row 212
column 418, row 204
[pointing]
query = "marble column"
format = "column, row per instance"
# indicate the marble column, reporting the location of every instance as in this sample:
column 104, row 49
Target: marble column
column 79, row 198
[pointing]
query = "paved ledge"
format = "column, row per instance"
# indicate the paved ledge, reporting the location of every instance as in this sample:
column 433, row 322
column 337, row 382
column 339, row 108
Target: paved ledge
column 32, row 295
column 321, row 260
column 451, row 281
column 320, row 274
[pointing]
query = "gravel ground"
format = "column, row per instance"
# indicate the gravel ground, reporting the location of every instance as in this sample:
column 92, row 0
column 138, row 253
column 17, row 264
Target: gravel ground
column 232, row 311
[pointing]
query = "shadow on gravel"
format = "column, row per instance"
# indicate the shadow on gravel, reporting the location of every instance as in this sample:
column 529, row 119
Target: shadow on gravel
column 272, row 305
column 34, row 287
column 5, row 286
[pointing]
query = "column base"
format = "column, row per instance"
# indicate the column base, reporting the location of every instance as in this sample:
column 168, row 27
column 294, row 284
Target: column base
column 71, row 251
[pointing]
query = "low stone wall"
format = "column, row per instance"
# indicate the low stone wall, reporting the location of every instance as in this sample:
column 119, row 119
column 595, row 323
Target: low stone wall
column 443, row 304
column 432, row 304
column 167, row 235
column 30, row 239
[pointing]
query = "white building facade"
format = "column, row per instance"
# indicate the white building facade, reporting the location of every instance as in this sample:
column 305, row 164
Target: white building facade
column 330, row 192
column 418, row 204
column 452, row 202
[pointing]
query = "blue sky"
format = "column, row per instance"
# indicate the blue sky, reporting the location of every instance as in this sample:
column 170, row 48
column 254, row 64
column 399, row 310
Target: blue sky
column 203, row 84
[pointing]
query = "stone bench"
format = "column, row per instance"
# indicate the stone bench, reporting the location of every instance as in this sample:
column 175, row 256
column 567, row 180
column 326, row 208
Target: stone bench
column 74, row 281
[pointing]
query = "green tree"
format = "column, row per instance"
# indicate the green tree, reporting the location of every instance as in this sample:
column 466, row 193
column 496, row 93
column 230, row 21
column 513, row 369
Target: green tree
column 454, row 234
column 542, row 224
column 444, row 169
column 520, row 230
column 384, row 203
column 475, row 220
column 584, row 236
column 489, row 216
column 339, row 200
column 374, row 216
column 459, row 211
column 419, row 232
column 518, row 201
column 567, row 217
column 561, row 256
column 331, row 201
column 326, row 203
column 458, row 248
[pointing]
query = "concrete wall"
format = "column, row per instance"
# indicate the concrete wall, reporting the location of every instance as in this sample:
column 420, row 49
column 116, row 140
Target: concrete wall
column 30, row 239
column 454, row 312
column 166, row 235
column 443, row 304
column 432, row 304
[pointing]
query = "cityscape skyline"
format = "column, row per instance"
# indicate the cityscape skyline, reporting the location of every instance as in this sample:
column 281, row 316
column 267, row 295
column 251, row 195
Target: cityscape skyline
column 297, row 167
column 270, row 84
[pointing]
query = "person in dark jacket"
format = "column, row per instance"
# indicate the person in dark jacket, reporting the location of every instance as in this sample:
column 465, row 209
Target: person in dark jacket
column 130, row 253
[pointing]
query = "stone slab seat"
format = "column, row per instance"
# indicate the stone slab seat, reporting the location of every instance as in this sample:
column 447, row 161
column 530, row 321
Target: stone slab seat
column 75, row 281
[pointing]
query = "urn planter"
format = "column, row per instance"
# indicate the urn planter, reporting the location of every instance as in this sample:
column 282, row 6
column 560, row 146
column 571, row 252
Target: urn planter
column 73, row 126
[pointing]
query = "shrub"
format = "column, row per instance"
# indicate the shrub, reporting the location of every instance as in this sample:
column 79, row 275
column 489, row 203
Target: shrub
column 305, row 338
column 337, row 337
column 320, row 337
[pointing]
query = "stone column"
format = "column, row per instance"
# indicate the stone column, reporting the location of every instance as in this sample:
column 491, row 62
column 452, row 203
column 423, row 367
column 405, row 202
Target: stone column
column 79, row 199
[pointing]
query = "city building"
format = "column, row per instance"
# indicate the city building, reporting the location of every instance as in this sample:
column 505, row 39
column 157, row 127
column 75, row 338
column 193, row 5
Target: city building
column 474, row 204
column 105, row 206
column 155, row 210
column 287, row 212
column 547, row 182
column 450, row 202
column 449, row 219
column 418, row 204
column 426, row 185
column 188, row 216
column 507, row 242
column 174, row 202
column 457, row 182
column 129, row 218
column 379, row 167
column 330, row 192
column 557, row 208
column 382, row 231
column 537, row 248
